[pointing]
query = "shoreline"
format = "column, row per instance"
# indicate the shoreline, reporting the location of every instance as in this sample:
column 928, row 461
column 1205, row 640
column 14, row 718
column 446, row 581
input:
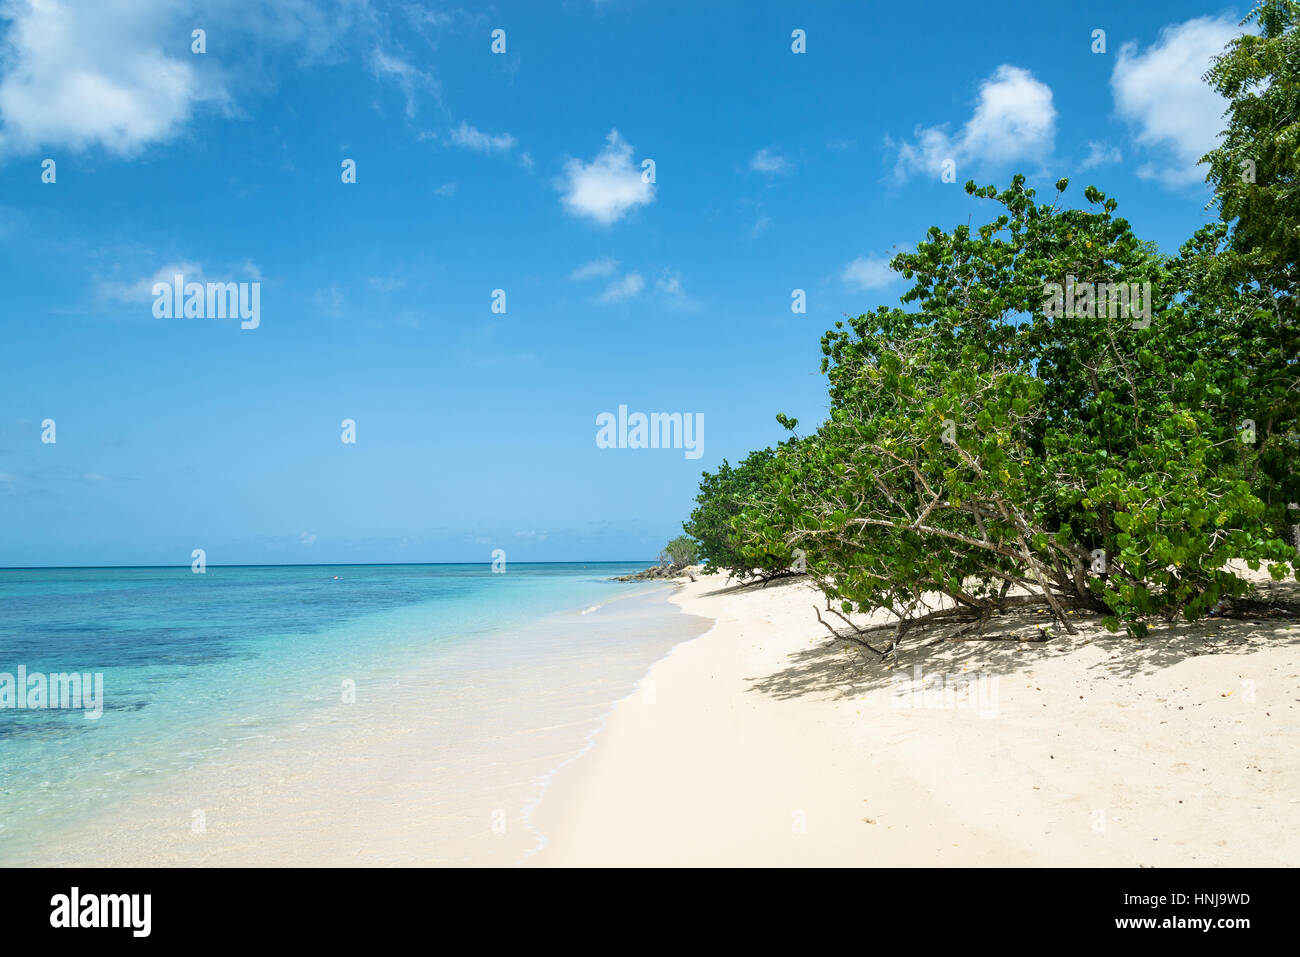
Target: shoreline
column 419, row 772
column 751, row 738
column 762, row 742
column 547, row 781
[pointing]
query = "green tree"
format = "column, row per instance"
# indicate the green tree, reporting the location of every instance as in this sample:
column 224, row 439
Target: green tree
column 726, row 541
column 1060, row 414
column 1255, row 170
column 999, row 437
column 680, row 551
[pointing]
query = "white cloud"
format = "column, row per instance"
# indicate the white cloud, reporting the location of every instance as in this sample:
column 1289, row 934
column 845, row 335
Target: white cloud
column 1099, row 154
column 107, row 74
column 121, row 75
column 670, row 284
column 625, row 288
column 765, row 161
column 140, row 290
column 608, row 187
column 313, row 30
column 409, row 79
column 1014, row 120
column 447, row 189
column 597, row 267
column 136, row 291
column 472, row 139
column 1175, row 113
column 869, row 272
column 672, row 291
column 306, row 538
column 329, row 300
column 385, row 284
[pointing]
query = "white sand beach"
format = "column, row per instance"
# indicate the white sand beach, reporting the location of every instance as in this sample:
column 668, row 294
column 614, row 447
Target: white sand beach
column 765, row 742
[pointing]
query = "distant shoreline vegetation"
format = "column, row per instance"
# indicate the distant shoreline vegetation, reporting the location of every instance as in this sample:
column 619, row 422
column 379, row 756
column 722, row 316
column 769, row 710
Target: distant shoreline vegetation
column 1003, row 444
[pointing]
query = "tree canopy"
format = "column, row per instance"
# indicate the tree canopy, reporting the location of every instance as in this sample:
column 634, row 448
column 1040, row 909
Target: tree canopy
column 1056, row 413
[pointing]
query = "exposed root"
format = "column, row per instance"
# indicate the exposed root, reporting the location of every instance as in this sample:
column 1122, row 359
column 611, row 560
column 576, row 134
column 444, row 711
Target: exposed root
column 856, row 637
column 969, row 618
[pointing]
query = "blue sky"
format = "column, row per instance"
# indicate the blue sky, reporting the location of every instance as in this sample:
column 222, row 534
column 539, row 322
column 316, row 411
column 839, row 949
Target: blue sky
column 519, row 171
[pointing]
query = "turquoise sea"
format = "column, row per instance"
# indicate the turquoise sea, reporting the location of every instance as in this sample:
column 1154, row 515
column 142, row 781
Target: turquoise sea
column 499, row 677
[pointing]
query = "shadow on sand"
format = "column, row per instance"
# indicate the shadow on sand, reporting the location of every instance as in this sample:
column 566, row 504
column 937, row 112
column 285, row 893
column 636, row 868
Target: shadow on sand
column 839, row 669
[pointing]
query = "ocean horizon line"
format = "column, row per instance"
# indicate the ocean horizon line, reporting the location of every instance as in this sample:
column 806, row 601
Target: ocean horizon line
column 20, row 568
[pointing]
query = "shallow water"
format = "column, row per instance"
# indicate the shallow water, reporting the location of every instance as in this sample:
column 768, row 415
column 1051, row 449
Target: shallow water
column 391, row 714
